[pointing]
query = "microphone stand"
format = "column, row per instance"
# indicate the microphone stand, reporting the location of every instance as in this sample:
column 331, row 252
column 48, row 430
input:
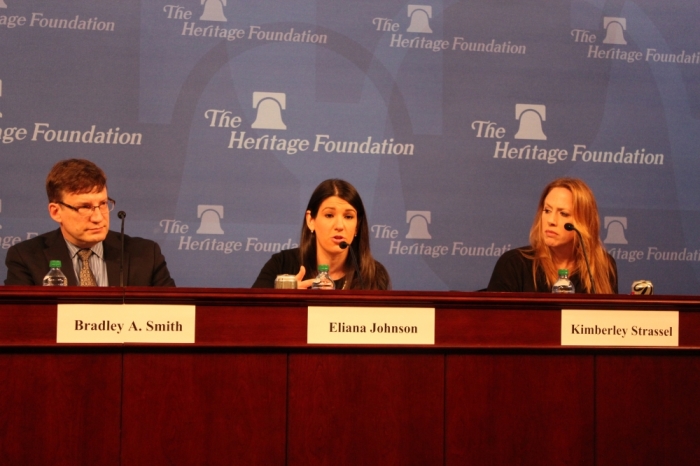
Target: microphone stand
column 122, row 216
column 571, row 227
column 344, row 245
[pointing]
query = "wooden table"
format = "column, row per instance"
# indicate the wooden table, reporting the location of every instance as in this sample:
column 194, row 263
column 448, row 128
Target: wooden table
column 496, row 388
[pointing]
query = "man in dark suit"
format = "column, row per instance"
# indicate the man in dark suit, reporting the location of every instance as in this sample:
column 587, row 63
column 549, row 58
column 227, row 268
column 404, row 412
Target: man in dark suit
column 90, row 254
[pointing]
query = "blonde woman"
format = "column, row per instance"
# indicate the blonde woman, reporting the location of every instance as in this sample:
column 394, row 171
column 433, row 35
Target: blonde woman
column 553, row 246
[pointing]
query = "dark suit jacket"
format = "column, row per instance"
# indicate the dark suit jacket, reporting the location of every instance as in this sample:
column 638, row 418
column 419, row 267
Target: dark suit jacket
column 144, row 265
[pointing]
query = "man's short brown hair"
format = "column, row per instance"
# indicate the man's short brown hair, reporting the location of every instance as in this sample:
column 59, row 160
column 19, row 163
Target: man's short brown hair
column 77, row 176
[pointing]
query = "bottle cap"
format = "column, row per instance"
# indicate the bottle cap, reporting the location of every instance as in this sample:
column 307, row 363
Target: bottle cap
column 54, row 264
column 563, row 271
column 323, row 268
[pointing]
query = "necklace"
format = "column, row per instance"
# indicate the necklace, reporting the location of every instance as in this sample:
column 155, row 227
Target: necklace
column 345, row 283
column 337, row 282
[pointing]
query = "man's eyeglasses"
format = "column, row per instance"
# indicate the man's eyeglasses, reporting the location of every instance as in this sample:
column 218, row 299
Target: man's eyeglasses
column 88, row 210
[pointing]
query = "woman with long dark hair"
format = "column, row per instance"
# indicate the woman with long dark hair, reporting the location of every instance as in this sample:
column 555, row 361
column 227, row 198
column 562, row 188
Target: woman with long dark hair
column 334, row 215
column 553, row 246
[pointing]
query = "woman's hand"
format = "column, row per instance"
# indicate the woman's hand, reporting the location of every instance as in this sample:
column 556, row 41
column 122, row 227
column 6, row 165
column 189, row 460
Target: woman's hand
column 303, row 284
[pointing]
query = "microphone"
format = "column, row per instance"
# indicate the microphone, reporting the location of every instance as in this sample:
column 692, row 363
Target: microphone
column 122, row 216
column 571, row 227
column 344, row 245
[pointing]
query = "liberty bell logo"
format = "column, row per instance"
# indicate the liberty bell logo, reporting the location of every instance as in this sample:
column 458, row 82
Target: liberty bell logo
column 418, row 221
column 616, row 227
column 270, row 106
column 531, row 117
column 211, row 216
column 213, row 10
column 614, row 30
column 420, row 18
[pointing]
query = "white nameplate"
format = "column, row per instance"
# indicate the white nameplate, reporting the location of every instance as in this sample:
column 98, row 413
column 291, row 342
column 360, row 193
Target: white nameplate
column 619, row 328
column 125, row 323
column 371, row 325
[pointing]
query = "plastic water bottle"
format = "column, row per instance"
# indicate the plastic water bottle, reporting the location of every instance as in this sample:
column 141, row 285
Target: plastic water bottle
column 563, row 285
column 55, row 277
column 323, row 281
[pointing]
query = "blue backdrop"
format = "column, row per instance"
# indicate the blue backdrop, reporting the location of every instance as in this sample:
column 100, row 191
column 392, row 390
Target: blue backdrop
column 215, row 119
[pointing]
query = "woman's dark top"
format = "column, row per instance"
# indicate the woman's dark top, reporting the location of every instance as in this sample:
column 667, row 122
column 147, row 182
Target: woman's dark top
column 289, row 262
column 513, row 272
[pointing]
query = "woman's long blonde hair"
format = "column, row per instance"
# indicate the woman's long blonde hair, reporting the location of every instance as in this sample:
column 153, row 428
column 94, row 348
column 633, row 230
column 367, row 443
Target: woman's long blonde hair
column 585, row 219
